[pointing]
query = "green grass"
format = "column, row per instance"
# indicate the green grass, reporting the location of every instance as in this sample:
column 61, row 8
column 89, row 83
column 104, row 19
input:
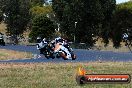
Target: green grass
column 10, row 55
column 2, row 54
column 58, row 75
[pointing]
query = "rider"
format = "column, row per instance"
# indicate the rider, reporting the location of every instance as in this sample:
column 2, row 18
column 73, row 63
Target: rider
column 58, row 40
column 61, row 41
column 64, row 44
column 41, row 45
column 39, row 39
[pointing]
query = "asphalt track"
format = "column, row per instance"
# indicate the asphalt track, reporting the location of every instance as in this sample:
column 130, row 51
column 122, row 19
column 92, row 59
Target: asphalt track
column 82, row 55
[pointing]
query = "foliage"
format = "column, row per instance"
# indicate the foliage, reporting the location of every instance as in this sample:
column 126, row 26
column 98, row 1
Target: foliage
column 17, row 16
column 122, row 21
column 1, row 9
column 108, row 8
column 36, row 2
column 1, row 15
column 91, row 17
column 41, row 26
column 36, row 10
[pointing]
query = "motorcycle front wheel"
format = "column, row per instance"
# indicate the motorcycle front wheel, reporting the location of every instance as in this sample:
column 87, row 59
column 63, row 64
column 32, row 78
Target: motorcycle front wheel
column 73, row 56
column 63, row 55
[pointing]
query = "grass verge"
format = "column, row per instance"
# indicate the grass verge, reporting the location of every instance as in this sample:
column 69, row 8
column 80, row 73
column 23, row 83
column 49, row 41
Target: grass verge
column 58, row 75
column 10, row 55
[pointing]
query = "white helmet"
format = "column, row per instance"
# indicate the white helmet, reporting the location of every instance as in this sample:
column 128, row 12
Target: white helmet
column 44, row 39
column 38, row 37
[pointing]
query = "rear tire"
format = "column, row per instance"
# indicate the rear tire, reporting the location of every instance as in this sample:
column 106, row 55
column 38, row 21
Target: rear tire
column 3, row 44
column 47, row 57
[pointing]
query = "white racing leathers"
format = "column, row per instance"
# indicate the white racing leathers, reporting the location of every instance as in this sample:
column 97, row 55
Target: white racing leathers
column 41, row 45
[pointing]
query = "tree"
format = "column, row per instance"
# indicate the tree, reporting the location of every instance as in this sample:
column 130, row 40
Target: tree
column 41, row 26
column 1, row 15
column 37, row 10
column 17, row 16
column 122, row 21
column 91, row 20
column 36, row 2
column 108, row 8
column 1, row 9
column 90, row 16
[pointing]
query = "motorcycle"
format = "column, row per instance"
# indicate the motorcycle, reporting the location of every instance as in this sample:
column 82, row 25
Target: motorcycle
column 62, row 51
column 47, row 51
column 52, row 50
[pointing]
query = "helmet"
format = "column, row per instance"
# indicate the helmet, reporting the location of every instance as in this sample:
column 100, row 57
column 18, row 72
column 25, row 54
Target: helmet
column 38, row 37
column 44, row 39
column 58, row 38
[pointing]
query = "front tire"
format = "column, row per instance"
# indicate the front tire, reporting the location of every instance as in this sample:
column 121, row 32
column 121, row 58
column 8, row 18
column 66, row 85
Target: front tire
column 63, row 56
column 3, row 44
column 73, row 57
